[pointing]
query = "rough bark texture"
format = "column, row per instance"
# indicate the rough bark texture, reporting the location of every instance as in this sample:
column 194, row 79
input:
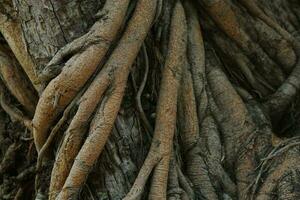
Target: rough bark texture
column 149, row 99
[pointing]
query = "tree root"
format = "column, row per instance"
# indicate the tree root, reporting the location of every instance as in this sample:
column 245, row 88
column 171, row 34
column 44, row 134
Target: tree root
column 263, row 166
column 12, row 32
column 196, row 59
column 13, row 112
column 213, row 156
column 223, row 15
column 16, row 81
column 140, row 91
column 189, row 132
column 9, row 158
column 160, row 151
column 234, row 113
column 179, row 187
column 174, row 190
column 286, row 93
column 112, row 79
column 255, row 10
column 45, row 149
column 243, row 63
column 75, row 134
column 90, row 74
column 77, row 69
column 273, row 179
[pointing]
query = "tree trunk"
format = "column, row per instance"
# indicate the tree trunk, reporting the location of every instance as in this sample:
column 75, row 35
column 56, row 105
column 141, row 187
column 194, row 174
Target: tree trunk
column 149, row 99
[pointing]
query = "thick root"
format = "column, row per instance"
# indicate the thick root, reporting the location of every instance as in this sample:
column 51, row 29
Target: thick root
column 77, row 70
column 160, row 150
column 9, row 158
column 12, row 32
column 75, row 134
column 255, row 10
column 189, row 127
column 174, row 190
column 234, row 112
column 189, row 132
column 13, row 112
column 274, row 179
column 196, row 57
column 115, row 73
column 16, row 81
column 226, row 19
column 213, row 156
column 287, row 92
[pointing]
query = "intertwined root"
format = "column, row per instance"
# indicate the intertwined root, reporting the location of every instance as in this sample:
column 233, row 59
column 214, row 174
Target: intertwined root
column 77, row 70
column 69, row 173
column 160, row 151
column 225, row 18
column 96, row 85
column 255, row 10
column 190, row 136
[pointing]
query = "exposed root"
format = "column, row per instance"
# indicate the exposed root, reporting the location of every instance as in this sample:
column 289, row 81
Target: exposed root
column 140, row 91
column 187, row 112
column 178, row 185
column 44, row 152
column 75, row 133
column 263, row 166
column 9, row 158
column 174, row 191
column 213, row 156
column 185, row 183
column 225, row 18
column 77, row 70
column 241, row 61
column 244, row 94
column 290, row 164
column 237, row 127
column 255, row 10
column 286, row 93
column 160, row 151
column 196, row 59
column 189, row 132
column 234, row 113
column 27, row 174
column 13, row 112
column 16, row 81
column 114, row 76
column 12, row 32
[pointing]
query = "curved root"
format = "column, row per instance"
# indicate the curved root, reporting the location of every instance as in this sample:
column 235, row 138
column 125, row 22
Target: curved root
column 160, row 150
column 12, row 32
column 196, row 57
column 13, row 112
column 255, row 10
column 189, row 131
column 114, row 76
column 225, row 18
column 140, row 91
column 75, row 134
column 77, row 70
column 16, row 81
